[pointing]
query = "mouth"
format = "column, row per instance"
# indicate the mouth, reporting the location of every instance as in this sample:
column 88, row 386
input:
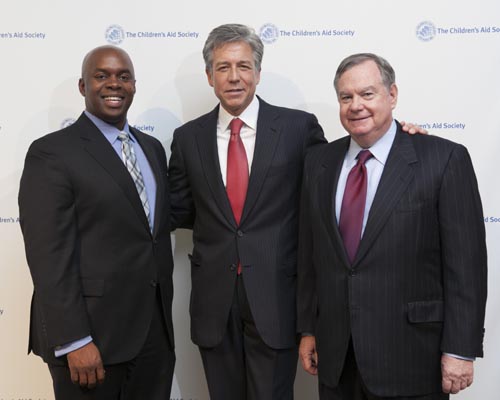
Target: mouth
column 359, row 119
column 234, row 91
column 113, row 101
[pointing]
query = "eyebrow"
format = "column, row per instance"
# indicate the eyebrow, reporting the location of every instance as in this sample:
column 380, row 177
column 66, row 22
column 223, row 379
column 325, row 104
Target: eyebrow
column 364, row 89
column 121, row 71
column 237, row 63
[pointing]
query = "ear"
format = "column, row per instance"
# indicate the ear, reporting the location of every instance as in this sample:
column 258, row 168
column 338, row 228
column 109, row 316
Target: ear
column 210, row 77
column 81, row 87
column 393, row 93
column 257, row 77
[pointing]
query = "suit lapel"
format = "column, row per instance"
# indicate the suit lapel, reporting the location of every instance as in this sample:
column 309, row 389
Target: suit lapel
column 327, row 188
column 99, row 148
column 206, row 139
column 398, row 173
column 267, row 138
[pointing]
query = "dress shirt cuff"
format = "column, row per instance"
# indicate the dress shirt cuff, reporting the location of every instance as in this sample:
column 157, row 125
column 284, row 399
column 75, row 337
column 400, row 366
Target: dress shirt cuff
column 306, row 334
column 461, row 357
column 72, row 346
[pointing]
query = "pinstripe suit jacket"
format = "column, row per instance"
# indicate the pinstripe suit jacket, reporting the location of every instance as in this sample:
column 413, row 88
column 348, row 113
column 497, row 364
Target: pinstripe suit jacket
column 265, row 241
column 417, row 286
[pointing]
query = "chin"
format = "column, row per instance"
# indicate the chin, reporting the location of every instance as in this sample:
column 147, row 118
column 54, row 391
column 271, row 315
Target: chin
column 359, row 131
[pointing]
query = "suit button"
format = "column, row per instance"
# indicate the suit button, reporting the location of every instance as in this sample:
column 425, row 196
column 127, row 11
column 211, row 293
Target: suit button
column 239, row 233
column 232, row 267
column 155, row 241
column 353, row 272
column 153, row 283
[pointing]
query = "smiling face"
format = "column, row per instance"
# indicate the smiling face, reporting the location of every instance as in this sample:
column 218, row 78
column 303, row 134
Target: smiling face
column 108, row 84
column 366, row 104
column 234, row 76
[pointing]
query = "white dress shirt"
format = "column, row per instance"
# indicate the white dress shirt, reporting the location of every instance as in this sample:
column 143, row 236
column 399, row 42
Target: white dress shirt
column 248, row 134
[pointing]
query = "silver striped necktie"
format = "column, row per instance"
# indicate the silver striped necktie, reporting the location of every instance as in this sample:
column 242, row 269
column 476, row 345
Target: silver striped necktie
column 130, row 161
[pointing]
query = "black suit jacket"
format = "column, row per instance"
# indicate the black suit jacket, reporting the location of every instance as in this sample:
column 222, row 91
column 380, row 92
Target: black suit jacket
column 94, row 262
column 417, row 286
column 265, row 241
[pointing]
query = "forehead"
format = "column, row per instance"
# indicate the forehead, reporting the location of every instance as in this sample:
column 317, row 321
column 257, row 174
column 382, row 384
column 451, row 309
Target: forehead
column 365, row 74
column 107, row 59
column 233, row 51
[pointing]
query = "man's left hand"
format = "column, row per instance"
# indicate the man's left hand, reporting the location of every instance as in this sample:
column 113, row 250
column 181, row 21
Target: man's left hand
column 457, row 374
column 413, row 128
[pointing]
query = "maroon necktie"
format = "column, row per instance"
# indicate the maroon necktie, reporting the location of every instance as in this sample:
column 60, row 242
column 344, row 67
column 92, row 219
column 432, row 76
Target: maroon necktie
column 237, row 172
column 353, row 205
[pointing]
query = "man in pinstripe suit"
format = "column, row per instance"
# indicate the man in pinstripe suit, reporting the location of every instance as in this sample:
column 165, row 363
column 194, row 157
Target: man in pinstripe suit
column 242, row 318
column 402, row 316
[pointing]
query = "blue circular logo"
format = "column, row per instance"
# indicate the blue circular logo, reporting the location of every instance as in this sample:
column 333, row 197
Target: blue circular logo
column 67, row 122
column 269, row 33
column 115, row 34
column 426, row 31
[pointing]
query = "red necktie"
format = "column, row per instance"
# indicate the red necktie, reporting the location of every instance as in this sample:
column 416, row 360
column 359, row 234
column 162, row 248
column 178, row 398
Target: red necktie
column 353, row 205
column 237, row 172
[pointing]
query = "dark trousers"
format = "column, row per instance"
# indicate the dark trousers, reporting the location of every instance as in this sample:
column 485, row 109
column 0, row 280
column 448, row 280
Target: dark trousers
column 242, row 366
column 148, row 376
column 351, row 386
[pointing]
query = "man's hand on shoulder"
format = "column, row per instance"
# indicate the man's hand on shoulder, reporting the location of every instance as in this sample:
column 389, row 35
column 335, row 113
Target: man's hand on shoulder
column 413, row 128
column 308, row 355
column 457, row 374
column 86, row 367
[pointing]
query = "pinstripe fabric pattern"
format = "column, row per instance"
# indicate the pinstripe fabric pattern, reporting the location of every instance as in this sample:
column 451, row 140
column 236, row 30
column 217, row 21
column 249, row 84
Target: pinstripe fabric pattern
column 265, row 240
column 417, row 286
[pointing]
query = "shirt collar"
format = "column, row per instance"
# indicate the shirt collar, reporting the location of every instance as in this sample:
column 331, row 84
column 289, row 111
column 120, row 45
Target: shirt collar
column 249, row 116
column 380, row 149
column 109, row 131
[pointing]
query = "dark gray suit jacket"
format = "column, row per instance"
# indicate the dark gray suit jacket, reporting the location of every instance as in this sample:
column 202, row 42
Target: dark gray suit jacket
column 417, row 287
column 265, row 241
column 94, row 262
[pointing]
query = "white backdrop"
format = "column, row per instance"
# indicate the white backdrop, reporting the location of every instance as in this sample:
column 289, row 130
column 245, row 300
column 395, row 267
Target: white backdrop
column 447, row 61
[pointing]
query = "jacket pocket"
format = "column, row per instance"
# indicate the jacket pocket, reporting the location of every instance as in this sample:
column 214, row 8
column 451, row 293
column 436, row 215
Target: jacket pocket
column 426, row 311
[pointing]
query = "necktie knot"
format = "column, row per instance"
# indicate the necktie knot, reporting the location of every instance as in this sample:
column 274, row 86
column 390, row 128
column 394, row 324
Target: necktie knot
column 123, row 137
column 364, row 156
column 235, row 126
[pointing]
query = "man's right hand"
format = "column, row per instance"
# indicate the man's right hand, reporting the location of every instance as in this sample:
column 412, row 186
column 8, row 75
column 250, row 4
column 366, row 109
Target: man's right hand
column 308, row 355
column 86, row 367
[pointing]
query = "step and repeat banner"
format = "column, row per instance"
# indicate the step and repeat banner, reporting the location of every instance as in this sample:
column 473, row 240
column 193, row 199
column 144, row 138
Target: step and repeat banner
column 447, row 61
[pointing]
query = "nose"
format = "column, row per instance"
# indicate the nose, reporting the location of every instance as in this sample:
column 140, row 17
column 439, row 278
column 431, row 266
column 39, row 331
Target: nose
column 357, row 103
column 113, row 82
column 234, row 75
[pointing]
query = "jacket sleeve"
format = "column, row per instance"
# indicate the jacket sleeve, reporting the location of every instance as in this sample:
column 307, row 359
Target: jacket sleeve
column 306, row 277
column 181, row 199
column 463, row 250
column 49, row 224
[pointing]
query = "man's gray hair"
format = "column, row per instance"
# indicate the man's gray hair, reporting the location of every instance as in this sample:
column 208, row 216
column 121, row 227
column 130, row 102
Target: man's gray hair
column 386, row 71
column 230, row 33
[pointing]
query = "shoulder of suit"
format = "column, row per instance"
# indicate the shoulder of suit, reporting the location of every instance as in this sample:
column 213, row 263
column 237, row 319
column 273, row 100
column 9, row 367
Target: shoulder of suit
column 317, row 154
column 61, row 137
column 285, row 111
